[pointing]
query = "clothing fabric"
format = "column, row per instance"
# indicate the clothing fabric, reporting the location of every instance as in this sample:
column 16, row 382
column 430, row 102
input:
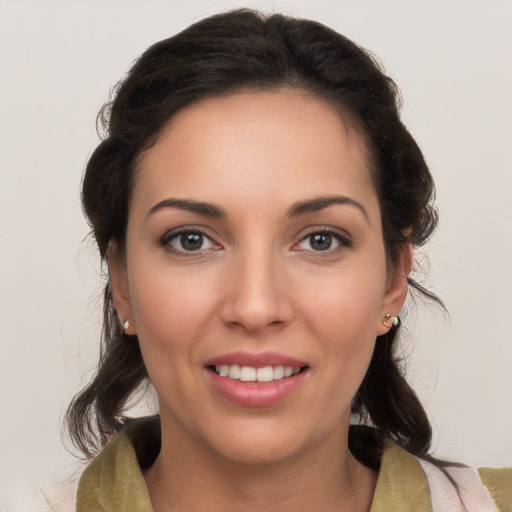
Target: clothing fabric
column 48, row 493
column 113, row 482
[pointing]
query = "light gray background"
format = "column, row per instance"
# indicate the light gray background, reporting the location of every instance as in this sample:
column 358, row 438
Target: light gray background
column 58, row 60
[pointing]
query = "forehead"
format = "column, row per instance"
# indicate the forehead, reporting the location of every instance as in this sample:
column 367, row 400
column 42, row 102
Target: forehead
column 252, row 144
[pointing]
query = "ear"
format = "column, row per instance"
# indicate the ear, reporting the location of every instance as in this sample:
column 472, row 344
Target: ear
column 119, row 286
column 396, row 289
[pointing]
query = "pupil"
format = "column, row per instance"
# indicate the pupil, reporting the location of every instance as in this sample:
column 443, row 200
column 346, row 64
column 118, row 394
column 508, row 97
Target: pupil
column 321, row 242
column 191, row 241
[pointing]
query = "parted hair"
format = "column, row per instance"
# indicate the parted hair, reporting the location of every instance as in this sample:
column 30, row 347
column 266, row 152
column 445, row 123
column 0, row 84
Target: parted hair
column 222, row 55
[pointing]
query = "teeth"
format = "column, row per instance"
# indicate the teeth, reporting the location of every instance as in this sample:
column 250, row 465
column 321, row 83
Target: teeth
column 247, row 374
column 234, row 372
column 265, row 374
column 278, row 372
column 251, row 374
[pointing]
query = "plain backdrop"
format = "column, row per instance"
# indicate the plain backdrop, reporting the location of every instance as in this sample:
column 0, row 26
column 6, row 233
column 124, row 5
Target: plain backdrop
column 58, row 61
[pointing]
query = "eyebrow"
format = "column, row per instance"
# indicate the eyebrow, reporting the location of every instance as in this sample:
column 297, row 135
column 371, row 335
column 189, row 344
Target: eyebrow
column 297, row 209
column 190, row 205
column 319, row 203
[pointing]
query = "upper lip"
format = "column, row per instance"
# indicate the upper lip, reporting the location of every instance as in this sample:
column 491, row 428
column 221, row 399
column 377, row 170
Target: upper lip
column 256, row 359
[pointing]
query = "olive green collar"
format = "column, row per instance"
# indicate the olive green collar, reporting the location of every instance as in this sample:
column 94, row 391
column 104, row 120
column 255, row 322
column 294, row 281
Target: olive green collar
column 113, row 482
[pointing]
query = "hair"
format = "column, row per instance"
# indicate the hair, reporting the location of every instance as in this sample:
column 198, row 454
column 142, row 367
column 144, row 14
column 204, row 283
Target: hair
column 222, row 55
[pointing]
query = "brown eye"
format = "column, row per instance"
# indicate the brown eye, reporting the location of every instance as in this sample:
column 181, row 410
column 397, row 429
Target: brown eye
column 188, row 242
column 191, row 241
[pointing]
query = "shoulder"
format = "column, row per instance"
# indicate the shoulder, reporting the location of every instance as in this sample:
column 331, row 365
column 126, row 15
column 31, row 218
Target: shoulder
column 408, row 482
column 27, row 495
column 401, row 485
column 457, row 487
column 55, row 494
column 499, row 484
column 114, row 478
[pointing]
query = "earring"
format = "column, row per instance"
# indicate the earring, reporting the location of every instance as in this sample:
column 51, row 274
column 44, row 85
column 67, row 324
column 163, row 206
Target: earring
column 126, row 325
column 390, row 321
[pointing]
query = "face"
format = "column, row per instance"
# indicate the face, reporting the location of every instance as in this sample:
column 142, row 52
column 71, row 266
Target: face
column 254, row 251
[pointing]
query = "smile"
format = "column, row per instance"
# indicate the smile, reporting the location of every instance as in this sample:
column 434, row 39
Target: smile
column 256, row 379
column 253, row 374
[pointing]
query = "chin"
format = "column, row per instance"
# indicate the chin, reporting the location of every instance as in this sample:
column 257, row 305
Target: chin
column 259, row 443
column 262, row 452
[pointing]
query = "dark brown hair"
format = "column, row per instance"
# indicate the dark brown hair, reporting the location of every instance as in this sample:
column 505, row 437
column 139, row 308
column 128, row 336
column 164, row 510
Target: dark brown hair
column 222, row 55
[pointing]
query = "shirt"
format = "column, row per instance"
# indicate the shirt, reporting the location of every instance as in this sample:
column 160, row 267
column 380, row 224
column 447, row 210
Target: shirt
column 113, row 482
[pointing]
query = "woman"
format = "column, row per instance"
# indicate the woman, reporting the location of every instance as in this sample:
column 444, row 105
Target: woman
column 257, row 200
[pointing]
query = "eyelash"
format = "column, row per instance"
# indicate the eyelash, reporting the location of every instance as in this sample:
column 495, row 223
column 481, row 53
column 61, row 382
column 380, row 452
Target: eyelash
column 344, row 241
column 166, row 240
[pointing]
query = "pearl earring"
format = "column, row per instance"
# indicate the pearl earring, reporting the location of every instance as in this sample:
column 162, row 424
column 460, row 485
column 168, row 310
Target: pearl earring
column 390, row 321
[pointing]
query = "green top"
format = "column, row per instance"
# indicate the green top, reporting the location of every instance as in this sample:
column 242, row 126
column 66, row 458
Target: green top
column 113, row 482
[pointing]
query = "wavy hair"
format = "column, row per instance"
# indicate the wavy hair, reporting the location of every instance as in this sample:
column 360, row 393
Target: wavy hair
column 222, row 55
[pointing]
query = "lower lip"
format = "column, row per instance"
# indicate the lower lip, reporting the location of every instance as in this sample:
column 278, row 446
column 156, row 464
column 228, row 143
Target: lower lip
column 256, row 394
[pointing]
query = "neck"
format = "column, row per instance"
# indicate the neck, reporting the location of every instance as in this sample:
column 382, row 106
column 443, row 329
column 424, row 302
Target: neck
column 321, row 479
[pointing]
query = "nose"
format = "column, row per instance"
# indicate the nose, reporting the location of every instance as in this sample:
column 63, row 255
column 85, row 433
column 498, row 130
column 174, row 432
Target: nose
column 256, row 295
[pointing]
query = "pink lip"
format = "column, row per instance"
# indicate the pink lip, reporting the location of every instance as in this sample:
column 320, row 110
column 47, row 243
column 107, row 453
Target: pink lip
column 255, row 394
column 256, row 360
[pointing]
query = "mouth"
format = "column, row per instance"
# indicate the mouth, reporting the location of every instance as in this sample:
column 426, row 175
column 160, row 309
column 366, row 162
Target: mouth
column 256, row 374
column 251, row 379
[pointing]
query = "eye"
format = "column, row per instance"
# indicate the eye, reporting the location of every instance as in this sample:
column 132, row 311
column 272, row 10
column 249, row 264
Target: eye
column 189, row 241
column 324, row 241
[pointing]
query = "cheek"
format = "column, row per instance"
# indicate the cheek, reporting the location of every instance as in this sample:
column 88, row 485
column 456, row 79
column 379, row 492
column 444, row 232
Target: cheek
column 170, row 315
column 344, row 315
column 170, row 310
column 346, row 304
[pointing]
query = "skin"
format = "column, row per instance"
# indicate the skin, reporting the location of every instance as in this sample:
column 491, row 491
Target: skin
column 256, row 284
